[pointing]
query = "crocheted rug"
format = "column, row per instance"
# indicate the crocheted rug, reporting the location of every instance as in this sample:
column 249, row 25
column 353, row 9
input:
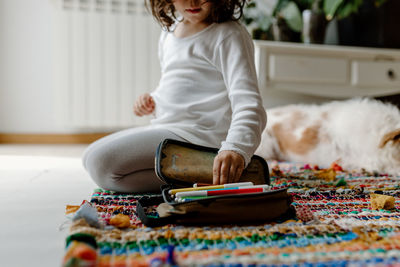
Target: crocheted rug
column 343, row 218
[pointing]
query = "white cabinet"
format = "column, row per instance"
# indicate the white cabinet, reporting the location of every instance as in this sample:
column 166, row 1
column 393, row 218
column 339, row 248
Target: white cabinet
column 367, row 73
column 327, row 71
column 303, row 69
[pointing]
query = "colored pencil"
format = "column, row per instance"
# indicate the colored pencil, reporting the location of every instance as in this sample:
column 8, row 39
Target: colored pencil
column 243, row 190
column 174, row 191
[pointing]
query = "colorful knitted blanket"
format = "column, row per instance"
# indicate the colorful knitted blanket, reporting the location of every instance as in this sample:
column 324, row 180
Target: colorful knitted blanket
column 343, row 218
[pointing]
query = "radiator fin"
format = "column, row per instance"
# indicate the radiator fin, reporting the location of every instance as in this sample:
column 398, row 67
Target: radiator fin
column 106, row 56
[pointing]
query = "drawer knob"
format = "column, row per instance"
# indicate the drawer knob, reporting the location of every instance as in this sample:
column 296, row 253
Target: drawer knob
column 391, row 74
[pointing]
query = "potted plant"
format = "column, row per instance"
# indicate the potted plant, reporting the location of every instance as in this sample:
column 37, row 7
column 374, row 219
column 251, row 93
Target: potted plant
column 341, row 8
column 258, row 17
column 280, row 20
column 288, row 22
column 314, row 23
column 363, row 22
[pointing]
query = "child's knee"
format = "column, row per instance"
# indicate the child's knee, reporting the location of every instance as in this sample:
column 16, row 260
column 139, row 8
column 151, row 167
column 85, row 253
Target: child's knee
column 87, row 155
column 98, row 164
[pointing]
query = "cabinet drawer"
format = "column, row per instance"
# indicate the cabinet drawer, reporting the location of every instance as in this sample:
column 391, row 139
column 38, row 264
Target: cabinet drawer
column 371, row 73
column 295, row 68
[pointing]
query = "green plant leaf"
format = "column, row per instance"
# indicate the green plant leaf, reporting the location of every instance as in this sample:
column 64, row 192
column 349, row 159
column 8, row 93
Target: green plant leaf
column 345, row 11
column 264, row 23
column 330, row 8
column 292, row 16
column 280, row 5
column 348, row 8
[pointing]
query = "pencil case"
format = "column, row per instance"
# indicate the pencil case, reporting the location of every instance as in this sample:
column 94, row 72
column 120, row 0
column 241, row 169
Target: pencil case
column 183, row 164
column 225, row 209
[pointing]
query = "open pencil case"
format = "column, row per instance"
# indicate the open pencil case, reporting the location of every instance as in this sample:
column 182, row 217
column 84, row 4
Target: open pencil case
column 181, row 164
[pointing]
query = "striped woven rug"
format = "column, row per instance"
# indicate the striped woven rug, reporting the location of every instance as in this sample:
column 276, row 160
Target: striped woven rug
column 343, row 218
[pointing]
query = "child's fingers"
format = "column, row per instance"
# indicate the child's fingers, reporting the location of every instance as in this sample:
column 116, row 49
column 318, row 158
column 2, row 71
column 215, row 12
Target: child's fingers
column 232, row 174
column 139, row 110
column 150, row 101
column 139, row 113
column 238, row 173
column 216, row 171
column 228, row 167
column 142, row 107
column 143, row 103
column 149, row 104
column 224, row 173
column 136, row 110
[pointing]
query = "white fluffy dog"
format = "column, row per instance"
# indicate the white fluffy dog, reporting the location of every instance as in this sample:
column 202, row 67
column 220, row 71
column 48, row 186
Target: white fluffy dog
column 356, row 133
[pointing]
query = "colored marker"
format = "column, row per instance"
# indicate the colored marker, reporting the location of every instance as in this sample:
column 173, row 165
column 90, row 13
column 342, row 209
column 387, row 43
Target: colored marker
column 183, row 199
column 201, row 184
column 240, row 187
column 174, row 191
column 191, row 197
column 199, row 193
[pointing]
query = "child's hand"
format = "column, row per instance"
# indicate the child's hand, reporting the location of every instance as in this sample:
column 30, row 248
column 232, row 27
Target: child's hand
column 144, row 105
column 228, row 167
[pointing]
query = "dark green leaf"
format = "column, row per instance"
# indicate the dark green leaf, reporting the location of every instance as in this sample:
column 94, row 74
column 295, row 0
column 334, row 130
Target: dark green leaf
column 292, row 16
column 330, row 8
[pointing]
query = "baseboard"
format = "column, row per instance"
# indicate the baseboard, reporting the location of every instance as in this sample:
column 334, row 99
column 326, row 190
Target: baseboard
column 86, row 138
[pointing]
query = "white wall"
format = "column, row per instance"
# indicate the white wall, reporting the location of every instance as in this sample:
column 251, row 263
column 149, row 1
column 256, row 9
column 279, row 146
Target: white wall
column 26, row 93
column 26, row 87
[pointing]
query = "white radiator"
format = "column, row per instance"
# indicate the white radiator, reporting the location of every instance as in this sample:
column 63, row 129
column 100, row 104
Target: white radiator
column 106, row 54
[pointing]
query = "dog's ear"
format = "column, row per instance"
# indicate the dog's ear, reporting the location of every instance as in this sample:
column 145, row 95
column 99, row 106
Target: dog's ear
column 391, row 136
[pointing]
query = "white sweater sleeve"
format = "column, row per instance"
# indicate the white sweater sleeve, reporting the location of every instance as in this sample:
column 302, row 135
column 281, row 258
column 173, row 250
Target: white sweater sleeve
column 235, row 59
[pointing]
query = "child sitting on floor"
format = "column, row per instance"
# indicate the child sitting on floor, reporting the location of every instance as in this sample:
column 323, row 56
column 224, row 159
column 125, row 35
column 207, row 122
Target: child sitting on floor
column 207, row 95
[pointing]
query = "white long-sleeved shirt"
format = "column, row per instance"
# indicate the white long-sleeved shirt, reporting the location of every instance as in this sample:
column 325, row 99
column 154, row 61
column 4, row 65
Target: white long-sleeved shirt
column 208, row 92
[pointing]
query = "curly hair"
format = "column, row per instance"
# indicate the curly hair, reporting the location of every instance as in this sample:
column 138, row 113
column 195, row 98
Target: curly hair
column 221, row 11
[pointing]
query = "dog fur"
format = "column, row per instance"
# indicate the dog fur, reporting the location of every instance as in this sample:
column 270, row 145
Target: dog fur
column 356, row 133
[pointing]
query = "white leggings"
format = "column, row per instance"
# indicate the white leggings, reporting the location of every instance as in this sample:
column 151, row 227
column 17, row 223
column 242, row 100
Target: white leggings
column 124, row 161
